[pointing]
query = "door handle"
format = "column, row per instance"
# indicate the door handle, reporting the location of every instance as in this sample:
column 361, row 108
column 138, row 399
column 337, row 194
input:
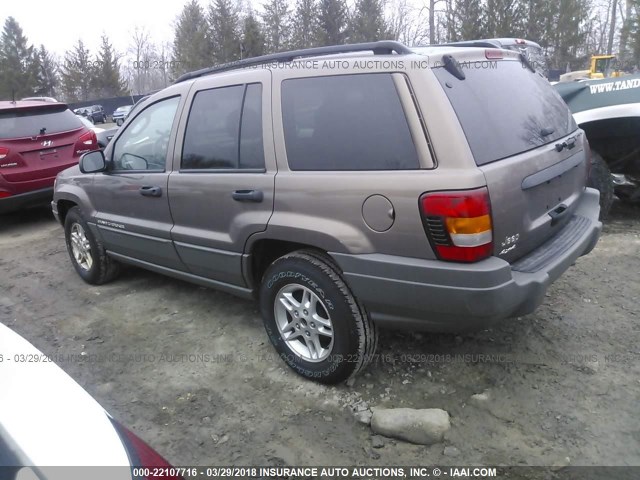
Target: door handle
column 149, row 191
column 248, row 196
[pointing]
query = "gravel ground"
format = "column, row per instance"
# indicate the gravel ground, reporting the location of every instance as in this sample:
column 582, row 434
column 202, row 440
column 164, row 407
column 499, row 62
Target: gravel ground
column 192, row 372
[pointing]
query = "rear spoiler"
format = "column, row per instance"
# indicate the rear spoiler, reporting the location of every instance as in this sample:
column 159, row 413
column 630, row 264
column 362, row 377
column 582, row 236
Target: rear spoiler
column 39, row 106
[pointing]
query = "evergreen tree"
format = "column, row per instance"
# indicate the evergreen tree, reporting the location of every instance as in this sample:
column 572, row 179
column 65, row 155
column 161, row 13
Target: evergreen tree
column 305, row 24
column 277, row 25
column 333, row 22
column 568, row 34
column 253, row 41
column 538, row 21
column 77, row 73
column 107, row 80
column 625, row 30
column 632, row 27
column 368, row 24
column 191, row 44
column 224, row 24
column 19, row 63
column 469, row 16
column 47, row 78
column 505, row 18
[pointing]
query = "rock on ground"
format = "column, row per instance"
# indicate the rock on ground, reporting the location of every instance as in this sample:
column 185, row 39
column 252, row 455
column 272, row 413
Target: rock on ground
column 424, row 426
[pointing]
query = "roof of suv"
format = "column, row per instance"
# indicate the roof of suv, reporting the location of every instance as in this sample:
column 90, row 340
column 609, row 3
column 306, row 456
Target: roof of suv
column 383, row 48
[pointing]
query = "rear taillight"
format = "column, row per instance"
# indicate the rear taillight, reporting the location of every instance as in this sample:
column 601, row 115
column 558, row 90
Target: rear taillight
column 142, row 455
column 3, row 152
column 4, row 194
column 458, row 224
column 86, row 143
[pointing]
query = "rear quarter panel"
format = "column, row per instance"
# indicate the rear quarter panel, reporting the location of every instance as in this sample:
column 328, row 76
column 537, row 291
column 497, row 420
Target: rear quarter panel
column 325, row 209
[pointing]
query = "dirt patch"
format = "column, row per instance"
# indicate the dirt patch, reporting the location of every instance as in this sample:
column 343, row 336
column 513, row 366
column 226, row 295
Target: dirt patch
column 192, row 372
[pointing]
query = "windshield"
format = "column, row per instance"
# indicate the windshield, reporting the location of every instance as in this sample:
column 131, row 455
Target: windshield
column 506, row 110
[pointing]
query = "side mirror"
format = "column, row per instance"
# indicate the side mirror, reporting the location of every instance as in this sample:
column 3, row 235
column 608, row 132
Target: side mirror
column 93, row 162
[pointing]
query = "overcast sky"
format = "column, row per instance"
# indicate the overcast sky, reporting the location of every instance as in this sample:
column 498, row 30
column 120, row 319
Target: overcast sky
column 58, row 24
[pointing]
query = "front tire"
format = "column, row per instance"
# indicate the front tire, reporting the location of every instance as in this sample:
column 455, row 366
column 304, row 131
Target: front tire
column 600, row 178
column 119, row 122
column 87, row 254
column 313, row 320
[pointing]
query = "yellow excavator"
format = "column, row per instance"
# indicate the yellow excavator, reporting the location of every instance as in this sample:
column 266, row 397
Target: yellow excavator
column 601, row 66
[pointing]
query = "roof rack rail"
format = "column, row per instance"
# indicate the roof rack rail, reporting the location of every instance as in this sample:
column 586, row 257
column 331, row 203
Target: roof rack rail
column 471, row 43
column 383, row 47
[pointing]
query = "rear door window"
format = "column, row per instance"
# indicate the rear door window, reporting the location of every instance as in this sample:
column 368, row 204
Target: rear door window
column 346, row 122
column 506, row 109
column 32, row 122
column 224, row 129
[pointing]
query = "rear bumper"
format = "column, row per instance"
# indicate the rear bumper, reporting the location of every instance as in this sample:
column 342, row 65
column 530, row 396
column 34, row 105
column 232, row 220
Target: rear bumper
column 401, row 292
column 25, row 200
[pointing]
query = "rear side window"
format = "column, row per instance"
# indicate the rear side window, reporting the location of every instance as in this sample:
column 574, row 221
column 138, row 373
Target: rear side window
column 32, row 122
column 346, row 122
column 506, row 109
column 224, row 129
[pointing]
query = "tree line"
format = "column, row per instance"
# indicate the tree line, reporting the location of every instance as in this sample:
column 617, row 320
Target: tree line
column 222, row 31
column 26, row 70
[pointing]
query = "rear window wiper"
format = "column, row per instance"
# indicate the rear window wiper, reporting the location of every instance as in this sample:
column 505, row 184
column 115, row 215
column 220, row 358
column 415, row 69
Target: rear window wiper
column 452, row 66
column 525, row 61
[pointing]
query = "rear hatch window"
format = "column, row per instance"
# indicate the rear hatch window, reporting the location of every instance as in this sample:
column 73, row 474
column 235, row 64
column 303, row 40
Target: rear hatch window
column 505, row 108
column 31, row 122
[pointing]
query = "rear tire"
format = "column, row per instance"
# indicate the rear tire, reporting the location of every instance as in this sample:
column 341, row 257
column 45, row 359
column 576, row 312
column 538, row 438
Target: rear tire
column 87, row 254
column 600, row 178
column 313, row 320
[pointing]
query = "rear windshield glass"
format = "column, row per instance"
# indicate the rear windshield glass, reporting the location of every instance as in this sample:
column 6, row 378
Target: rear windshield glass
column 30, row 122
column 506, row 109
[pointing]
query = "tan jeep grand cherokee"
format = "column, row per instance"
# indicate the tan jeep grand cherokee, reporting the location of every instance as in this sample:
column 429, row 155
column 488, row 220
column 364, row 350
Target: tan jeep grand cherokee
column 345, row 188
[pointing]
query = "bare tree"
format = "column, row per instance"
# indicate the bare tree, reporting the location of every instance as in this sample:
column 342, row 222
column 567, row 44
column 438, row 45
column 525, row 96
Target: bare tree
column 613, row 6
column 407, row 23
column 139, row 47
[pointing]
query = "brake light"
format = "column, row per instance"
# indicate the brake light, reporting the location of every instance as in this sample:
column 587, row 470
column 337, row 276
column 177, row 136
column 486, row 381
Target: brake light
column 142, row 455
column 493, row 54
column 86, row 143
column 3, row 152
column 458, row 224
column 4, row 194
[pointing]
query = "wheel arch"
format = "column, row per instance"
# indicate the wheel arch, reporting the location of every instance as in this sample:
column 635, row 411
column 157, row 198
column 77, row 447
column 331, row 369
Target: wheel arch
column 65, row 199
column 263, row 252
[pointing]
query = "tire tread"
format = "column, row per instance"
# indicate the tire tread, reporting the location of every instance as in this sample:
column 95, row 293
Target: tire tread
column 367, row 330
column 108, row 268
